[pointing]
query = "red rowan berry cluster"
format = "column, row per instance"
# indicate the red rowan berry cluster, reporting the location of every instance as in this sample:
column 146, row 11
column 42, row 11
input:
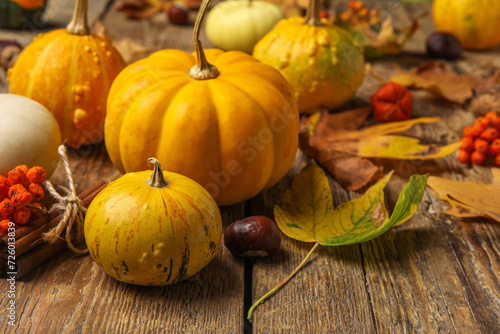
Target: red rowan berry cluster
column 481, row 140
column 20, row 193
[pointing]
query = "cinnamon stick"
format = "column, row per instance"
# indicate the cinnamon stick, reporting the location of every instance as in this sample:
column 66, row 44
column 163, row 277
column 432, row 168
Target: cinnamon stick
column 36, row 256
column 31, row 236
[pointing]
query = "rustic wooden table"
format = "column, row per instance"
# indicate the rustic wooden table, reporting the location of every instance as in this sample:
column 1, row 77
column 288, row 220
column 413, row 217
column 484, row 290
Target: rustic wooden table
column 432, row 274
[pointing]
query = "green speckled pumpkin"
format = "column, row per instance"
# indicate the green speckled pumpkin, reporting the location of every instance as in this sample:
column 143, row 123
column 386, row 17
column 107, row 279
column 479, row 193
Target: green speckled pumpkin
column 15, row 14
column 322, row 62
column 155, row 231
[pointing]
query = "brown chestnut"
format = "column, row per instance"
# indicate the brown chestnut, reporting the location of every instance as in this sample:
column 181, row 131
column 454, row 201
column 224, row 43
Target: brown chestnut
column 254, row 236
column 443, row 45
column 9, row 51
column 178, row 14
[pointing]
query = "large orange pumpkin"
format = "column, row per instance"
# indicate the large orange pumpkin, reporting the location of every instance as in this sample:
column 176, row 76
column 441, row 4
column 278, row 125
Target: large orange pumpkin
column 231, row 126
column 69, row 71
column 476, row 23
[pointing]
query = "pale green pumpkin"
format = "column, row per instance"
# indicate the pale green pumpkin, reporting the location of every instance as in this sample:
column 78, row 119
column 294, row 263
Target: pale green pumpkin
column 239, row 24
column 322, row 62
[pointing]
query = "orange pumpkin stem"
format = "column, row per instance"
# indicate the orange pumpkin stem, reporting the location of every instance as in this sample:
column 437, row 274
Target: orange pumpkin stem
column 203, row 70
column 78, row 24
column 157, row 179
column 312, row 15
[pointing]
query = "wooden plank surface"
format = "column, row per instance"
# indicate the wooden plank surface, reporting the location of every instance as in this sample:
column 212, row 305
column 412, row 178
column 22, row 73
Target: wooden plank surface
column 417, row 278
column 432, row 274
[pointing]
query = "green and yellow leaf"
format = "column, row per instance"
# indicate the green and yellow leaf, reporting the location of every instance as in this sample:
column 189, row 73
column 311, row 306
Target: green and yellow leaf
column 361, row 219
column 309, row 199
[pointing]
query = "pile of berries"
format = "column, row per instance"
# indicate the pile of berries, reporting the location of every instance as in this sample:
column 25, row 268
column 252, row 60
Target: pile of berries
column 20, row 193
column 481, row 140
column 357, row 13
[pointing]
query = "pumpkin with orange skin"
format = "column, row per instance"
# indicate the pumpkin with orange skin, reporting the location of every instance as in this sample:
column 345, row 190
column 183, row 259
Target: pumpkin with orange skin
column 220, row 118
column 476, row 23
column 69, row 71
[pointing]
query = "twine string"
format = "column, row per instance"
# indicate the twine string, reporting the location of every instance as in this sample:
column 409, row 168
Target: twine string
column 72, row 208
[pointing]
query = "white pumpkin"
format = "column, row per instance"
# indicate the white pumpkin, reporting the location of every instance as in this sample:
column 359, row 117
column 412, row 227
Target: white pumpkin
column 240, row 24
column 29, row 134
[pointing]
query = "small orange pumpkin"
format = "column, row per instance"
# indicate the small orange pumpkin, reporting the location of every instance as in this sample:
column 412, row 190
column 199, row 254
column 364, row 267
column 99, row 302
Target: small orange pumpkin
column 476, row 23
column 70, row 71
column 221, row 118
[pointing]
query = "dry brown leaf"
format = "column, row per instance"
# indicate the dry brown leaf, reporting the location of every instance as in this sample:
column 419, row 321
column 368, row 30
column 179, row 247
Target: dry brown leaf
column 488, row 97
column 340, row 164
column 130, row 50
column 467, row 198
column 333, row 141
column 139, row 9
column 440, row 78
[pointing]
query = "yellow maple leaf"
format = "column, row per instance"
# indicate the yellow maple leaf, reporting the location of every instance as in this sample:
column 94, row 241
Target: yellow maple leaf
column 467, row 198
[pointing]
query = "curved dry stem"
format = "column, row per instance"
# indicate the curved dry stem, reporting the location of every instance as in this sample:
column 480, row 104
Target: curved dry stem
column 279, row 286
column 157, row 179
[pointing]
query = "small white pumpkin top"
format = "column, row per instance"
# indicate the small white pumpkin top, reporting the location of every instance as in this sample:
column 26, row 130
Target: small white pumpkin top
column 240, row 24
column 29, row 134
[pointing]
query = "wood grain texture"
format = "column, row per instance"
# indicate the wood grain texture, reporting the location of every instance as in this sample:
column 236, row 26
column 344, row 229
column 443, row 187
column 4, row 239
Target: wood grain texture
column 433, row 274
column 71, row 294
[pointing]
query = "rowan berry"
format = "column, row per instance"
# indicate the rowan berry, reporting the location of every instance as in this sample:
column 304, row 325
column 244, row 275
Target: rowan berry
column 482, row 123
column 7, row 208
column 36, row 174
column 467, row 144
column 477, row 158
column 497, row 160
column 17, row 176
column 463, row 156
column 495, row 147
column 19, row 195
column 468, row 131
column 4, row 226
column 5, row 184
column 489, row 134
column 491, row 115
column 481, row 145
column 22, row 215
column 36, row 191
column 477, row 130
column 24, row 168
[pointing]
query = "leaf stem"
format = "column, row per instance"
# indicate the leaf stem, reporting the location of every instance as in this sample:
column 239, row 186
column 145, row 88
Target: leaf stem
column 279, row 286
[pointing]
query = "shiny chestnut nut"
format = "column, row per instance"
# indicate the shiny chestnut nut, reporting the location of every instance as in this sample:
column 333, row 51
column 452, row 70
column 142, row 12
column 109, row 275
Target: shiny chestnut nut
column 178, row 14
column 443, row 45
column 254, row 236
